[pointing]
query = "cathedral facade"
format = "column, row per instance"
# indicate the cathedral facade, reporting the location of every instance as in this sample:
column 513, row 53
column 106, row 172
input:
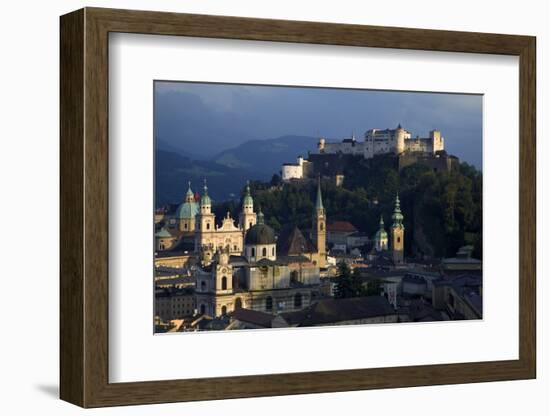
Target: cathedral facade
column 241, row 267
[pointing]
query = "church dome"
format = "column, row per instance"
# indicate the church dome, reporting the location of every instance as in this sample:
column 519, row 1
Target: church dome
column 260, row 234
column 247, row 200
column 381, row 235
column 187, row 210
column 163, row 233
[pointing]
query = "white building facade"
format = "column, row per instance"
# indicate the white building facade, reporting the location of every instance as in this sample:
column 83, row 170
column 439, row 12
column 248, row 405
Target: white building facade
column 385, row 141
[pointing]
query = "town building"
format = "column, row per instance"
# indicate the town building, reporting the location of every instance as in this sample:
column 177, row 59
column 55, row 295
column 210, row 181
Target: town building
column 174, row 303
column 297, row 170
column 350, row 311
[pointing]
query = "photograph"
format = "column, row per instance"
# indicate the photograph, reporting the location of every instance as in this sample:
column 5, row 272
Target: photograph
column 291, row 206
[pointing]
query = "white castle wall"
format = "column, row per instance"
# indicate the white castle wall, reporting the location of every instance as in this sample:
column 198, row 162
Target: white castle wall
column 385, row 141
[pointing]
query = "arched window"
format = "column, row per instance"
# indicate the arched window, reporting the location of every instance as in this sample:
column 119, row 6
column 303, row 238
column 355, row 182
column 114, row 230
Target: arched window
column 268, row 303
column 185, row 226
column 207, row 225
column 203, row 309
column 224, row 310
column 250, row 224
column 398, row 239
column 253, row 252
column 224, row 283
column 321, row 226
column 238, row 303
column 298, row 300
column 264, row 252
column 234, row 248
column 203, row 285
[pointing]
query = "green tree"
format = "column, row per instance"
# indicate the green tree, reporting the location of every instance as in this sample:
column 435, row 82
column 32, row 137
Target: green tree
column 374, row 287
column 348, row 283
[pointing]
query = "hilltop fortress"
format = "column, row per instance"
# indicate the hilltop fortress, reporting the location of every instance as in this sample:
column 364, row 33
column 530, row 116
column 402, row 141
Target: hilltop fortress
column 427, row 150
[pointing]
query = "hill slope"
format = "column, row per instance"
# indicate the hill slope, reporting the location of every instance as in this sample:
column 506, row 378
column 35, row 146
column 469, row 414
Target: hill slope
column 173, row 171
column 266, row 156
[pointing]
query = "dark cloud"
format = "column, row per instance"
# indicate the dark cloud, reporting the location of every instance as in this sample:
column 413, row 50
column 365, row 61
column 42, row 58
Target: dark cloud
column 205, row 119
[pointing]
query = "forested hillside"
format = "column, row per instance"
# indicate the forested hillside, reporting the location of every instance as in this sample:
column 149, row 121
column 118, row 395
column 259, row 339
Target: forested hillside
column 442, row 210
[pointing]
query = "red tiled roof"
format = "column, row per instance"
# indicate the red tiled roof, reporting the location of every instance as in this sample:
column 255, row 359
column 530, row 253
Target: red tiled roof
column 341, row 226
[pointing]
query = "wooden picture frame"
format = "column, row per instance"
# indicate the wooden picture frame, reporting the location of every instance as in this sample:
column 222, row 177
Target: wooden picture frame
column 84, row 207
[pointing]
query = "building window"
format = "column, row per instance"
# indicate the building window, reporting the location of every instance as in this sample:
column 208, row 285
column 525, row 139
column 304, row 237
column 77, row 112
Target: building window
column 253, row 252
column 203, row 285
column 321, row 226
column 224, row 310
column 398, row 239
column 250, row 224
column 268, row 303
column 264, row 252
column 238, row 303
column 207, row 225
column 224, row 283
column 298, row 300
column 234, row 248
column 203, row 309
column 273, row 251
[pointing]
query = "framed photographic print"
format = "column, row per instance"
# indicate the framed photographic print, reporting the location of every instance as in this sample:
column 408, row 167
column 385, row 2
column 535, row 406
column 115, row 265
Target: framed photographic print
column 255, row 207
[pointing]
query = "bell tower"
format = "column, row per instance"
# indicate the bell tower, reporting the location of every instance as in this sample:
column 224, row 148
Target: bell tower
column 397, row 233
column 205, row 222
column 223, row 272
column 247, row 219
column 319, row 229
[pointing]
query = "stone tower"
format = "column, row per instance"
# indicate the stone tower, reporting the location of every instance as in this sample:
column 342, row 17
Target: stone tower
column 397, row 233
column 205, row 223
column 223, row 272
column 319, row 229
column 247, row 219
column 399, row 140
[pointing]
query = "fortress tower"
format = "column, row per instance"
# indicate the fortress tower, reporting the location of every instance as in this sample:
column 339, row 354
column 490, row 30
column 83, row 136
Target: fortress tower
column 399, row 140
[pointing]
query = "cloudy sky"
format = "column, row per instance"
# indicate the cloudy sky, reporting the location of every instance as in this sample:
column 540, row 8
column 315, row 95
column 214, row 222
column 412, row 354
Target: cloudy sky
column 204, row 119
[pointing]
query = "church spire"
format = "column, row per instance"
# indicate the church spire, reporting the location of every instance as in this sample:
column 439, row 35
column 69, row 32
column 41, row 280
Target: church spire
column 397, row 216
column 205, row 199
column 248, row 202
column 260, row 216
column 319, row 201
column 189, row 196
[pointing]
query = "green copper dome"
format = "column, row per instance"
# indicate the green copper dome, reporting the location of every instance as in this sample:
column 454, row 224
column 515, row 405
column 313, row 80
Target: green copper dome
column 381, row 234
column 260, row 233
column 205, row 199
column 187, row 210
column 247, row 197
column 163, row 233
column 397, row 216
